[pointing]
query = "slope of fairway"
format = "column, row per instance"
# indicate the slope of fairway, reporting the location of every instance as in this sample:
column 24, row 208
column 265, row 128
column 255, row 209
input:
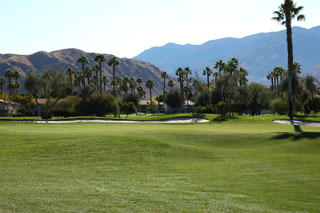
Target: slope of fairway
column 244, row 166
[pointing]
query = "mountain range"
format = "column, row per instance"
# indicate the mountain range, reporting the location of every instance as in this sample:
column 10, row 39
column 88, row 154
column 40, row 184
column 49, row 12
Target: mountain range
column 62, row 59
column 258, row 53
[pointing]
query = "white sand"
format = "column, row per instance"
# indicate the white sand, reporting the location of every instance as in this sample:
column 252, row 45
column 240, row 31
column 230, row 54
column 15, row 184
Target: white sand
column 298, row 123
column 175, row 120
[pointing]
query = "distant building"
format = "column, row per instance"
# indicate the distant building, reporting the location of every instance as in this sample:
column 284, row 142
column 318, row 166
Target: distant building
column 8, row 108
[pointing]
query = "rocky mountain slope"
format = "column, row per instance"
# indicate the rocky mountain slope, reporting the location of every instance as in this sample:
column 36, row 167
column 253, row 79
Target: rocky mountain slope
column 259, row 53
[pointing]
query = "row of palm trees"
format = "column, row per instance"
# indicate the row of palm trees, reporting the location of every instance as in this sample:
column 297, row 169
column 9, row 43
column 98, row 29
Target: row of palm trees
column 84, row 77
column 276, row 78
column 13, row 83
column 120, row 86
column 226, row 69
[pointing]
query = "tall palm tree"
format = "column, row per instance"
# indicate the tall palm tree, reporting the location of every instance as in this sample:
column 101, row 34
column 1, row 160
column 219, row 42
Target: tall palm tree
column 215, row 75
column 141, row 91
column 243, row 76
column 16, row 75
column 286, row 13
column 125, row 82
column 270, row 77
column 100, row 59
column 105, row 81
column 118, row 84
column 2, row 82
column 164, row 76
column 83, row 60
column 187, row 72
column 219, row 65
column 181, row 74
column 96, row 69
column 114, row 62
column 132, row 84
column 170, row 84
column 88, row 74
column 77, row 80
column 139, row 81
column 150, row 85
column 8, row 74
column 207, row 72
column 70, row 73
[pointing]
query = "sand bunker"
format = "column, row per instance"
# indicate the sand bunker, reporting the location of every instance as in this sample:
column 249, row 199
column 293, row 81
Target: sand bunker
column 174, row 120
column 298, row 123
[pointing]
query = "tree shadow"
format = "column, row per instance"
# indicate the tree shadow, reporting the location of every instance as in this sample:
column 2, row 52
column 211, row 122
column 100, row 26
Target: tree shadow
column 297, row 128
column 223, row 118
column 300, row 134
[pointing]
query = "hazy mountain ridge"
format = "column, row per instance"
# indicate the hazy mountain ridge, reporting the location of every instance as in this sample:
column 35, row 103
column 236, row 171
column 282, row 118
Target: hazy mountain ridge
column 65, row 58
column 258, row 53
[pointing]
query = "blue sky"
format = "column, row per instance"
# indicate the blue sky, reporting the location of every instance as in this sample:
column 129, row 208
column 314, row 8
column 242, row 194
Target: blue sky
column 127, row 27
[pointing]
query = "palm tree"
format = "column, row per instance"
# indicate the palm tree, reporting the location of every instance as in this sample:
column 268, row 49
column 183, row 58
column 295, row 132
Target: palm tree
column 219, row 65
column 2, row 82
column 70, row 73
column 114, row 62
column 125, row 82
column 164, row 75
column 150, row 85
column 132, row 84
column 286, row 13
column 16, row 75
column 96, row 68
column 100, row 59
column 215, row 75
column 77, row 80
column 141, row 91
column 243, row 76
column 270, row 77
column 105, row 80
column 187, row 72
column 207, row 72
column 170, row 84
column 8, row 74
column 181, row 74
column 232, row 66
column 83, row 60
column 88, row 74
column 118, row 84
column 139, row 81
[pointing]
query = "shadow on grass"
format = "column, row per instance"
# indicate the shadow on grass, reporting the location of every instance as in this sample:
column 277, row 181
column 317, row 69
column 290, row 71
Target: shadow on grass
column 223, row 118
column 300, row 134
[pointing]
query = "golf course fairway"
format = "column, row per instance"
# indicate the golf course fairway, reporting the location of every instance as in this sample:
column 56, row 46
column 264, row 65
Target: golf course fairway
column 227, row 166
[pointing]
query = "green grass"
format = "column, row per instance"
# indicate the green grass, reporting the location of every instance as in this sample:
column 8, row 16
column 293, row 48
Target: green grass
column 160, row 116
column 237, row 164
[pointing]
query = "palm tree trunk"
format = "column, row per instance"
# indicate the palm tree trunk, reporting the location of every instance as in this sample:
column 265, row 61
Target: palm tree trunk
column 164, row 86
column 208, row 80
column 187, row 90
column 114, row 79
column 181, row 90
column 290, row 55
column 150, row 97
column 272, row 86
column 100, row 77
column 83, row 76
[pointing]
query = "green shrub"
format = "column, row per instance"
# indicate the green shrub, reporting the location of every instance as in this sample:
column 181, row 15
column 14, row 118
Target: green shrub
column 131, row 97
column 99, row 105
column 66, row 107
